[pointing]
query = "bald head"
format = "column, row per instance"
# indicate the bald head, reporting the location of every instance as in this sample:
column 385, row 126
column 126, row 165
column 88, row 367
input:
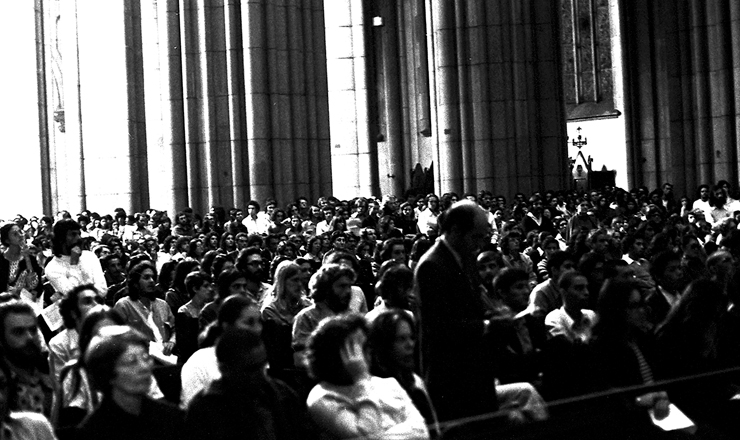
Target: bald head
column 465, row 227
column 461, row 215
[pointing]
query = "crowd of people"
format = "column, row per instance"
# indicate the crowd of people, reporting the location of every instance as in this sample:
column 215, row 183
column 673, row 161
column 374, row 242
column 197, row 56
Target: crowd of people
column 303, row 321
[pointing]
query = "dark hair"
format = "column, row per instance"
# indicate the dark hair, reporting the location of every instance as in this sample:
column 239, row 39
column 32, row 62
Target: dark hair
column 241, row 260
column 660, row 261
column 193, row 248
column 611, row 307
column 218, row 265
column 419, row 248
column 105, row 350
column 253, row 203
column 396, row 279
column 566, row 279
column 382, row 336
column 225, row 279
column 5, row 232
column 334, row 256
column 556, row 260
column 183, row 268
column 60, row 234
column 134, row 275
column 228, row 313
column 387, row 248
column 194, row 280
column 321, row 282
column 325, row 344
column 105, row 261
column 240, row 349
column 222, row 242
column 68, row 306
column 504, row 242
column 507, row 277
column 14, row 306
column 207, row 260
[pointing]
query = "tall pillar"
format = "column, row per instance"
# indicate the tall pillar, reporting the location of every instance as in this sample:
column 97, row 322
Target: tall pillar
column 500, row 118
column 353, row 158
column 111, row 118
column 277, row 95
column 682, row 92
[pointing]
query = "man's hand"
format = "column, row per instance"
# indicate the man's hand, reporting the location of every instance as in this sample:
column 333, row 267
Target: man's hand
column 167, row 348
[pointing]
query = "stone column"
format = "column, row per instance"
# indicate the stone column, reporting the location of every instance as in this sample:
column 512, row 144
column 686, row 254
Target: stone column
column 353, row 158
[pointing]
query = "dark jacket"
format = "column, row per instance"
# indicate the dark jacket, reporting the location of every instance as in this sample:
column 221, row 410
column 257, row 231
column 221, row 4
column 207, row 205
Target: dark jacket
column 157, row 421
column 270, row 410
column 456, row 354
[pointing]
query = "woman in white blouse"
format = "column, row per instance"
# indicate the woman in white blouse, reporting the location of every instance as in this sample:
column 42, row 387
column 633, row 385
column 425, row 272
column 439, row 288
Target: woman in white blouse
column 348, row 402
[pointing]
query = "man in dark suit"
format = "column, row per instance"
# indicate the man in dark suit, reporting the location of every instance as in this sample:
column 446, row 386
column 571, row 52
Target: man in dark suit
column 456, row 351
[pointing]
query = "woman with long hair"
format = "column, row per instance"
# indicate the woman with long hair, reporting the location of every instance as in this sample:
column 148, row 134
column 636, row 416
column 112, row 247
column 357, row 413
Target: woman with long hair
column 278, row 313
column 340, row 362
column 20, row 274
column 210, row 242
column 177, row 294
column 196, row 249
column 227, row 243
column 392, row 340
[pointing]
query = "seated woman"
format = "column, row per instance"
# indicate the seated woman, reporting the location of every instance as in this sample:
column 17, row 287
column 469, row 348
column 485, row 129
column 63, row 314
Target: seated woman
column 76, row 399
column 278, row 314
column 392, row 340
column 349, row 402
column 119, row 366
column 200, row 292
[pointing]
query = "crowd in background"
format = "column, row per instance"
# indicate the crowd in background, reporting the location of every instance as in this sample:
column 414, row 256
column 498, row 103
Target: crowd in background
column 301, row 320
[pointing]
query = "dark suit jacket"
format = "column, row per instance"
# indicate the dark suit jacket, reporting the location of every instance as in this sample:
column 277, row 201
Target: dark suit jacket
column 456, row 355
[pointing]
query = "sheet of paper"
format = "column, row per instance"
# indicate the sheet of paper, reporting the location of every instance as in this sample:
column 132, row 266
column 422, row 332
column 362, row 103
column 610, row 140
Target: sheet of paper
column 156, row 350
column 52, row 317
column 675, row 419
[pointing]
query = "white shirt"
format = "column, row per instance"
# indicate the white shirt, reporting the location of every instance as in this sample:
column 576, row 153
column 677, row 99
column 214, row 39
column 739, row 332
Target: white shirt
column 65, row 276
column 256, row 226
column 200, row 370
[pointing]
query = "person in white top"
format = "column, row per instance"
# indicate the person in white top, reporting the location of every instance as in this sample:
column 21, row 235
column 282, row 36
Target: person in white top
column 349, row 402
column 201, row 369
column 702, row 203
column 72, row 266
column 255, row 223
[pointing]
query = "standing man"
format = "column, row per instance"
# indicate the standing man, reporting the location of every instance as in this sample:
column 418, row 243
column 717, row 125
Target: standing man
column 456, row 357
column 71, row 266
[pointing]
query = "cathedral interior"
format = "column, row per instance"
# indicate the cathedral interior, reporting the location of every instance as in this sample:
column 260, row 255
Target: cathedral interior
column 175, row 103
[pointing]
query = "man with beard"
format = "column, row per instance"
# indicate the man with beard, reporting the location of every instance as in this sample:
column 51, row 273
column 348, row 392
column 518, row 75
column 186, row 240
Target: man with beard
column 251, row 263
column 22, row 348
column 72, row 266
column 722, row 207
column 331, row 290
